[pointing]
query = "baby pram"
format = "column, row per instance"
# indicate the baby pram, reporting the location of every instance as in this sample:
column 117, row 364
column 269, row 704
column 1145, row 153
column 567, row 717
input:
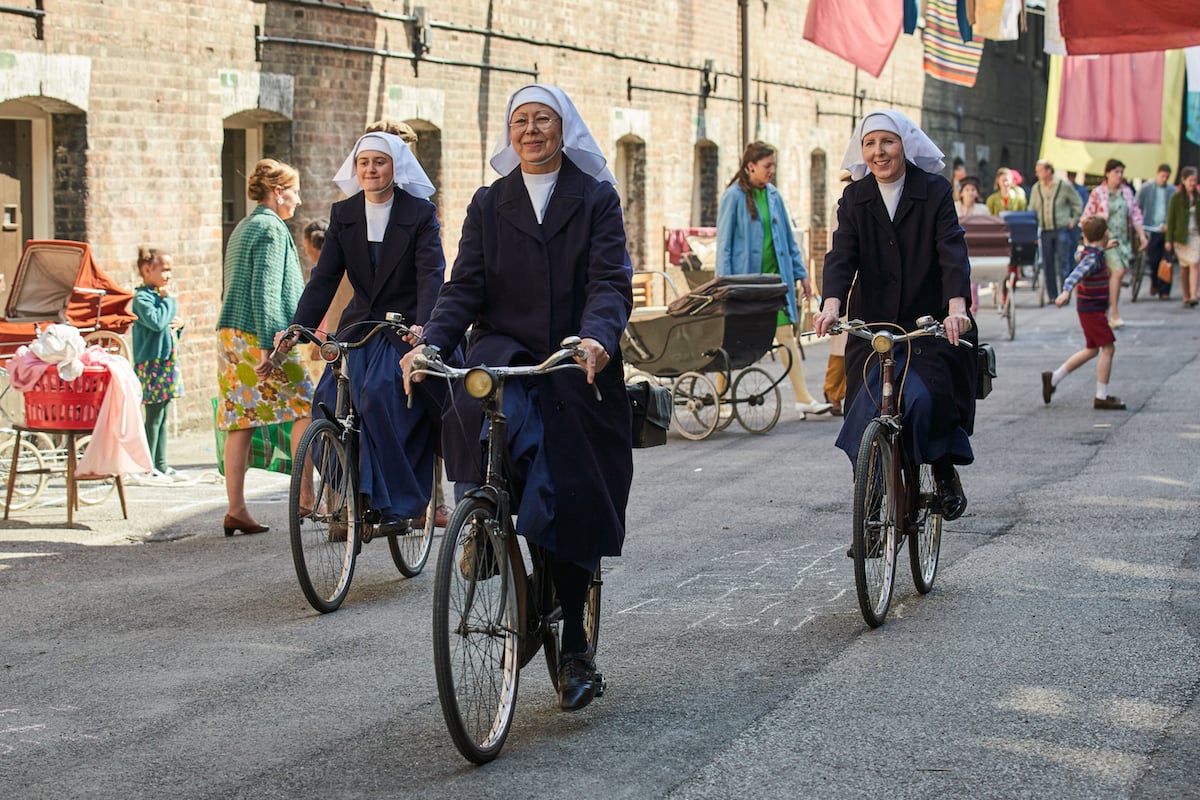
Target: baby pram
column 55, row 282
column 724, row 325
column 58, row 281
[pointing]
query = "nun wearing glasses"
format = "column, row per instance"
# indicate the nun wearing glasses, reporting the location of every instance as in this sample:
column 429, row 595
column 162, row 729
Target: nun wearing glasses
column 385, row 238
column 542, row 257
column 898, row 236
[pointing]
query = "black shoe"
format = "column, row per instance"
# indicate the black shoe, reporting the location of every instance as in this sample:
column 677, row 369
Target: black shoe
column 954, row 502
column 398, row 527
column 577, row 681
column 1047, row 386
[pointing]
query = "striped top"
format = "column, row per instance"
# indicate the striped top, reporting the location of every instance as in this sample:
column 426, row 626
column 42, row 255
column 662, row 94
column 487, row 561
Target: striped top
column 262, row 282
column 1091, row 275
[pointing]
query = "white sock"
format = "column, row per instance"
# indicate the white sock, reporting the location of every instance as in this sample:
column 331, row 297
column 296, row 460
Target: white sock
column 1101, row 391
column 1059, row 374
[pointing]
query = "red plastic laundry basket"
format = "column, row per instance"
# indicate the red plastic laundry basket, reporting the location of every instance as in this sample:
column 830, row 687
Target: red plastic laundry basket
column 61, row 405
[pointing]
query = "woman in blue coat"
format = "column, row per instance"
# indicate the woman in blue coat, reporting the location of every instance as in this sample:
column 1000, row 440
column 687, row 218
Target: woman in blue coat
column 899, row 243
column 542, row 257
column 754, row 237
column 385, row 238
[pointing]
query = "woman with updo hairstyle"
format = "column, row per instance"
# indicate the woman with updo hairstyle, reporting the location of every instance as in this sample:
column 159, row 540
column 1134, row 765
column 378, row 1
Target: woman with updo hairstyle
column 262, row 283
column 754, row 237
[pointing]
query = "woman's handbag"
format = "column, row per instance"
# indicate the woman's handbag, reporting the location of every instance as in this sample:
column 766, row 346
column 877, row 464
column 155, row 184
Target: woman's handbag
column 651, row 406
column 1164, row 271
column 986, row 365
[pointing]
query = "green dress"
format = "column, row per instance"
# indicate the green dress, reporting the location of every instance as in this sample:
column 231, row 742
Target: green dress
column 770, row 262
column 1118, row 228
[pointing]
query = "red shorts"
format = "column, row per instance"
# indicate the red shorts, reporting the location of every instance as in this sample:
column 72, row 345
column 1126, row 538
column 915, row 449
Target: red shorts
column 1096, row 332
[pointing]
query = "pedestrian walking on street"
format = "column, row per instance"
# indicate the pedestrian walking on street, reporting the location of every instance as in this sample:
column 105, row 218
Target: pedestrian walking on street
column 754, row 237
column 1091, row 301
column 1058, row 208
column 899, row 243
column 262, row 281
column 1153, row 200
column 1183, row 235
column 1113, row 200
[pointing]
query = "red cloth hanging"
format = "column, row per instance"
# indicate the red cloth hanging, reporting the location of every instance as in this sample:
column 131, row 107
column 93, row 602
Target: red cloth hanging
column 1113, row 26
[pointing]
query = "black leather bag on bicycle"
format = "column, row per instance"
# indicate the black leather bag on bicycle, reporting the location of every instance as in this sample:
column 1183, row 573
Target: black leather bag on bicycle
column 651, row 406
column 986, row 356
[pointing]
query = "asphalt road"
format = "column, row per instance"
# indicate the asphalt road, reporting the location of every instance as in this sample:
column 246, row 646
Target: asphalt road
column 1056, row 657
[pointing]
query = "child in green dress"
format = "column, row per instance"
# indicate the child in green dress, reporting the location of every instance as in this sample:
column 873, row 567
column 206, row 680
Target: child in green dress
column 154, row 350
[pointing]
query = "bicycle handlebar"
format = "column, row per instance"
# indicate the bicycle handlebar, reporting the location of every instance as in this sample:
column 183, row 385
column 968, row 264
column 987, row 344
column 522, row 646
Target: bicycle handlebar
column 299, row 333
column 430, row 362
column 926, row 326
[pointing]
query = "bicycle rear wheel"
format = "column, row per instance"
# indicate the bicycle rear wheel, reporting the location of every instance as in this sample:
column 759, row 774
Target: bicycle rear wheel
column 476, row 620
column 874, row 524
column 325, row 538
column 552, row 641
column 925, row 541
column 410, row 550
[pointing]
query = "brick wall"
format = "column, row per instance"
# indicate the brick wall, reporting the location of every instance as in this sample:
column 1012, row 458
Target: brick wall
column 142, row 161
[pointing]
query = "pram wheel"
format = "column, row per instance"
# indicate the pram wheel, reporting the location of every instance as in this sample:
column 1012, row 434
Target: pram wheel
column 756, row 400
column 696, row 406
column 111, row 341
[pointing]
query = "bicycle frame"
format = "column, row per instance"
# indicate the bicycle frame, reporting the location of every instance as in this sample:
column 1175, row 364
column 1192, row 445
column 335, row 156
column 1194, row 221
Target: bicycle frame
column 495, row 489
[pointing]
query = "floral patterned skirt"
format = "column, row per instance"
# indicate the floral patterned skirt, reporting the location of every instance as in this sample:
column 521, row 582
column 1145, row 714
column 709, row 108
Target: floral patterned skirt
column 247, row 402
column 158, row 379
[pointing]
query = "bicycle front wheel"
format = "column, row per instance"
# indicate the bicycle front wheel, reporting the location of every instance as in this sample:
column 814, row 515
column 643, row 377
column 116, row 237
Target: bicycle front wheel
column 410, row 550
column 1137, row 274
column 874, row 524
column 925, row 539
column 476, row 620
column 324, row 529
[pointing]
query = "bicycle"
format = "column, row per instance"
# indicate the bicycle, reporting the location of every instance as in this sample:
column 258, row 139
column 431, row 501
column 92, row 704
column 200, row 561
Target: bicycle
column 893, row 498
column 492, row 611
column 1137, row 273
column 1003, row 297
column 327, row 538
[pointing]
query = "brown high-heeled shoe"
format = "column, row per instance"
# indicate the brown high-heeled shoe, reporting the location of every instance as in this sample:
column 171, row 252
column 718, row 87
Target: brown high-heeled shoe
column 234, row 524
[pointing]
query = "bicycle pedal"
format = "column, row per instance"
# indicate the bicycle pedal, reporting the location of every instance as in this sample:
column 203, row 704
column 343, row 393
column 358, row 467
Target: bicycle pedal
column 601, row 684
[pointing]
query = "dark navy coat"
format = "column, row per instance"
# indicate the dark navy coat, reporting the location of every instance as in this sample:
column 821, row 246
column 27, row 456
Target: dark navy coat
column 407, row 278
column 524, row 287
column 906, row 269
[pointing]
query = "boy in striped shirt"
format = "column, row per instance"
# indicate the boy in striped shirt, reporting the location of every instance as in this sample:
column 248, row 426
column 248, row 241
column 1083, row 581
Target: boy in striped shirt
column 1090, row 280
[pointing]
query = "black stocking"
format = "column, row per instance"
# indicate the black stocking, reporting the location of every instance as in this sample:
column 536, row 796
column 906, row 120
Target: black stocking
column 571, row 582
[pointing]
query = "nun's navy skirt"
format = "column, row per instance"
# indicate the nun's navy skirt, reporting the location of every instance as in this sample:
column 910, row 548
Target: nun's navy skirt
column 395, row 450
column 923, row 447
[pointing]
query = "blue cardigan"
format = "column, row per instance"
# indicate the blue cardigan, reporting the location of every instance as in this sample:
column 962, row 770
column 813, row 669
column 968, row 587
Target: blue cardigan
column 740, row 241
